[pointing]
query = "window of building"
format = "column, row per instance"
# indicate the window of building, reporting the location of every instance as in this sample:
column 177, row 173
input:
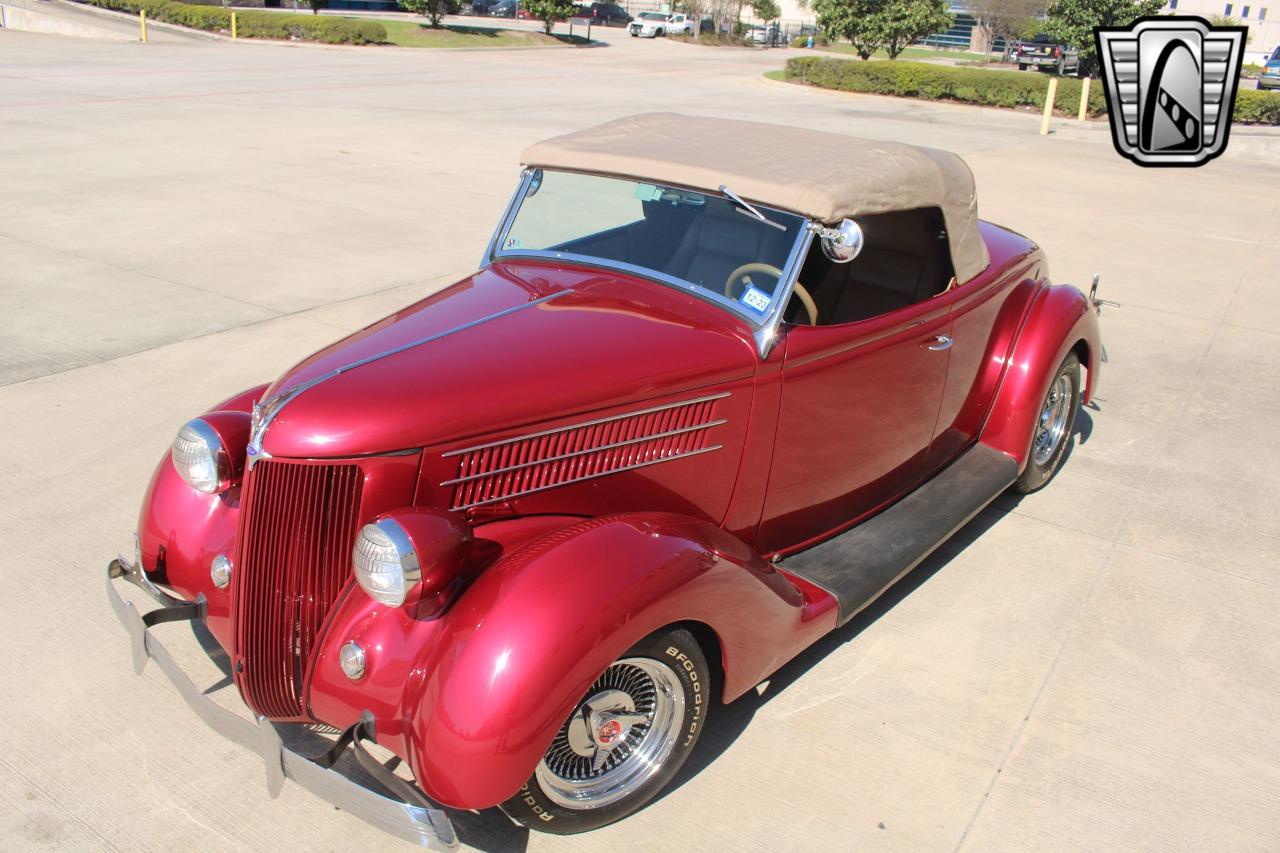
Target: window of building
column 1173, row 4
column 1228, row 11
column 1262, row 13
column 1244, row 13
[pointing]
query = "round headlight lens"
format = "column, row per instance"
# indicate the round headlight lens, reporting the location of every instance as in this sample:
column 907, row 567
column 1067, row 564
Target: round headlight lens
column 384, row 562
column 200, row 459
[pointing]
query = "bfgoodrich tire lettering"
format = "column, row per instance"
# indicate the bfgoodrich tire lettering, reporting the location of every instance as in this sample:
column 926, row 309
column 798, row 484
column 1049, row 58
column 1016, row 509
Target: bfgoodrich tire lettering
column 581, row 785
column 1055, row 420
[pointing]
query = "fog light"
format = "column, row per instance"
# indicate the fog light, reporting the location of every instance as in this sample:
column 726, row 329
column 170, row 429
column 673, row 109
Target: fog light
column 351, row 659
column 220, row 571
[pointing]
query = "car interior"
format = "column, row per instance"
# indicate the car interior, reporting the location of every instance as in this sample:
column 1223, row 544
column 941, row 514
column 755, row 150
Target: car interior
column 703, row 239
column 905, row 259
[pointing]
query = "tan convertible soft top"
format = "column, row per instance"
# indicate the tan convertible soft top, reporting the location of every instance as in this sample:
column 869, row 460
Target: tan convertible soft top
column 826, row 176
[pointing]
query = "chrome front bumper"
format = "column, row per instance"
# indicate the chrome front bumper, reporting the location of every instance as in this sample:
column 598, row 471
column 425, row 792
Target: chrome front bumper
column 427, row 827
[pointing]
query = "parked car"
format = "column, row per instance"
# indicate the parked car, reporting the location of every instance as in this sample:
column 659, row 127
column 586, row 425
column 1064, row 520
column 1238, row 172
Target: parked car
column 482, row 8
column 604, row 14
column 688, row 417
column 504, row 9
column 1270, row 76
column 1045, row 54
column 648, row 25
column 656, row 24
column 768, row 35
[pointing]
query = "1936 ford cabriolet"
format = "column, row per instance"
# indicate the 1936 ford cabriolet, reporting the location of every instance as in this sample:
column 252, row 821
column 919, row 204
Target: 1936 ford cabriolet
column 714, row 388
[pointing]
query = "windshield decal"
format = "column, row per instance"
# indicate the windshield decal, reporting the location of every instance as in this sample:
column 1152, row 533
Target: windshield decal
column 755, row 299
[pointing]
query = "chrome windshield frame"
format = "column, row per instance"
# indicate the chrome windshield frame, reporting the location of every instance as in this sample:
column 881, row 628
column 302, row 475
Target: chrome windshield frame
column 764, row 329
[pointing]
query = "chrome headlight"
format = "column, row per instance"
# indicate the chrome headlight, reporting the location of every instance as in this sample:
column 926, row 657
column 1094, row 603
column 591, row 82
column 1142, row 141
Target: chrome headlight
column 385, row 563
column 200, row 458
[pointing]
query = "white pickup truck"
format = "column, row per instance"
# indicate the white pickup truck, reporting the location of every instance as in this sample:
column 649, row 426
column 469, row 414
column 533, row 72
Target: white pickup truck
column 654, row 24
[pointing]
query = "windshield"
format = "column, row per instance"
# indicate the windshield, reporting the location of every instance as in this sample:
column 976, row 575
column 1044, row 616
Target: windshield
column 653, row 16
column 706, row 242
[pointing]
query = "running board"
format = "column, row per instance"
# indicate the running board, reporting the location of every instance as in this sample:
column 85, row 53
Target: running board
column 858, row 565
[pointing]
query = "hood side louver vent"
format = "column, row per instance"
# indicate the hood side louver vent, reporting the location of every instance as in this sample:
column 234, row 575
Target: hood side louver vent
column 502, row 470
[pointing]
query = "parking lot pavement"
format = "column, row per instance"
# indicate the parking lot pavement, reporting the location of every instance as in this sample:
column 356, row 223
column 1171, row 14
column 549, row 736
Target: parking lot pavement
column 1090, row 667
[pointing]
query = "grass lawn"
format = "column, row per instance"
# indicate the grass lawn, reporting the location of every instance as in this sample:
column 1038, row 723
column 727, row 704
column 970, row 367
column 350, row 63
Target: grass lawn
column 913, row 53
column 779, row 74
column 414, row 34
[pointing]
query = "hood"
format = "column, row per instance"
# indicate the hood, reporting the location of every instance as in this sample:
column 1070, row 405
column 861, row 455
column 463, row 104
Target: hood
column 512, row 345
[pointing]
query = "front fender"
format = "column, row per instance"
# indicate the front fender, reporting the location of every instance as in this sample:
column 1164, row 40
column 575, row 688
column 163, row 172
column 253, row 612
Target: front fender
column 523, row 644
column 180, row 530
column 1060, row 320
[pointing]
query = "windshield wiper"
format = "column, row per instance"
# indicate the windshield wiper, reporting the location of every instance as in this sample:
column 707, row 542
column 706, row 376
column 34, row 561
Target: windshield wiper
column 746, row 208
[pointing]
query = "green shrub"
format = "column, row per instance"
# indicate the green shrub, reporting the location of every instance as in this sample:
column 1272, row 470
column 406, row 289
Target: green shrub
column 1257, row 107
column 941, row 82
column 268, row 25
column 984, row 87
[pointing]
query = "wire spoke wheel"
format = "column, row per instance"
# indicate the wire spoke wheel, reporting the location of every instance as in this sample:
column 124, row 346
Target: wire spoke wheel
column 617, row 739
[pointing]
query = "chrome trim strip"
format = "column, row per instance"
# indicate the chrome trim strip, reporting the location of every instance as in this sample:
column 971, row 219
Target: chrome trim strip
column 580, row 424
column 514, row 495
column 427, row 827
column 767, row 333
column 561, row 457
column 265, row 413
column 504, row 223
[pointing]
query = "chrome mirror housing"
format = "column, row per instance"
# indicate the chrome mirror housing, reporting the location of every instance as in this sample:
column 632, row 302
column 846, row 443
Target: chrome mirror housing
column 843, row 242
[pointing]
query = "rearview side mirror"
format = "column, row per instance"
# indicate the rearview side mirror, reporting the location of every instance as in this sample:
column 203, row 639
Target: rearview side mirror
column 842, row 242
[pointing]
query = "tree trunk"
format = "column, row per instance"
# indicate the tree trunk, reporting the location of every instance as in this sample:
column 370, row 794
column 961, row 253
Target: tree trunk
column 981, row 39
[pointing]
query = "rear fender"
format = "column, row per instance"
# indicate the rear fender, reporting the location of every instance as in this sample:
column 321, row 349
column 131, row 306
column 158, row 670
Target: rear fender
column 1060, row 320
column 523, row 644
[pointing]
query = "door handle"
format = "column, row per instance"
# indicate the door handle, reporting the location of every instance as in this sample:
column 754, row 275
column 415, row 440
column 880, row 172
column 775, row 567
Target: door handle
column 940, row 343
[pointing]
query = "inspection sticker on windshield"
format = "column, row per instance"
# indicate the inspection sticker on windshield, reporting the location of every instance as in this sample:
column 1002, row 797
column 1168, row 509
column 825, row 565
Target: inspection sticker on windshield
column 755, row 298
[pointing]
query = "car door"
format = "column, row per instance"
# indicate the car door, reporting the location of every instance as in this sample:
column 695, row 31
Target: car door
column 984, row 317
column 857, row 413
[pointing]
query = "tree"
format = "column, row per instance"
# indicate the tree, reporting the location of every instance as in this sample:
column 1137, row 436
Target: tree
column 1005, row 19
column 766, row 10
column 1072, row 21
column 317, row 5
column 1228, row 21
column 549, row 11
column 903, row 21
column 695, row 9
column 434, row 9
column 853, row 20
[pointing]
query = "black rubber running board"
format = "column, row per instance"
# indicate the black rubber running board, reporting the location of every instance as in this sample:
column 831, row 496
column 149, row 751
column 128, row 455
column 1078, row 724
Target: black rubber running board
column 861, row 563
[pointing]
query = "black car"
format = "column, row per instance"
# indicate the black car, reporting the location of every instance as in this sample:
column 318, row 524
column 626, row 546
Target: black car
column 1047, row 54
column 605, row 14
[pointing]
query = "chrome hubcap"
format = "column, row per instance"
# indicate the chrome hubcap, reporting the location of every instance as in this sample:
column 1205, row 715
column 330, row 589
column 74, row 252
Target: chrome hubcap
column 1052, row 426
column 618, row 737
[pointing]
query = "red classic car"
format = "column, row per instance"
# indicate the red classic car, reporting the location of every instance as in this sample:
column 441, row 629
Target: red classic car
column 714, row 388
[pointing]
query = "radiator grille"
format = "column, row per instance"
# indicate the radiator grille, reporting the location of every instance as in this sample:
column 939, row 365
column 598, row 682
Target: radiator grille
column 297, row 525
column 532, row 463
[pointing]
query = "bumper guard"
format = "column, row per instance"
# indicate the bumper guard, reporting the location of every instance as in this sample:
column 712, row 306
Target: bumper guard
column 413, row 818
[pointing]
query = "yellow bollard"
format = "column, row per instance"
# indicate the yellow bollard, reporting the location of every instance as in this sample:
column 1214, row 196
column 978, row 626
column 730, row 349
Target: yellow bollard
column 1084, row 99
column 142, row 19
column 1048, row 105
column 233, row 26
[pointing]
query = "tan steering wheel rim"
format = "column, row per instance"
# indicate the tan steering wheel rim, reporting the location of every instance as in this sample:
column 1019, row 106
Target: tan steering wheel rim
column 798, row 289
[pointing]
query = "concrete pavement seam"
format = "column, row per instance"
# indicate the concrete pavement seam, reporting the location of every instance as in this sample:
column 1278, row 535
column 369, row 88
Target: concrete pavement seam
column 1077, row 621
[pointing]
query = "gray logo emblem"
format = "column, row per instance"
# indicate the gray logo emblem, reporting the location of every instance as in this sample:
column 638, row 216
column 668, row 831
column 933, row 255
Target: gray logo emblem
column 1171, row 88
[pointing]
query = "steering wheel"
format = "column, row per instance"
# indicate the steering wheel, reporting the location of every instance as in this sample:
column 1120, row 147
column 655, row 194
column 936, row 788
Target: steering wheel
column 741, row 278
